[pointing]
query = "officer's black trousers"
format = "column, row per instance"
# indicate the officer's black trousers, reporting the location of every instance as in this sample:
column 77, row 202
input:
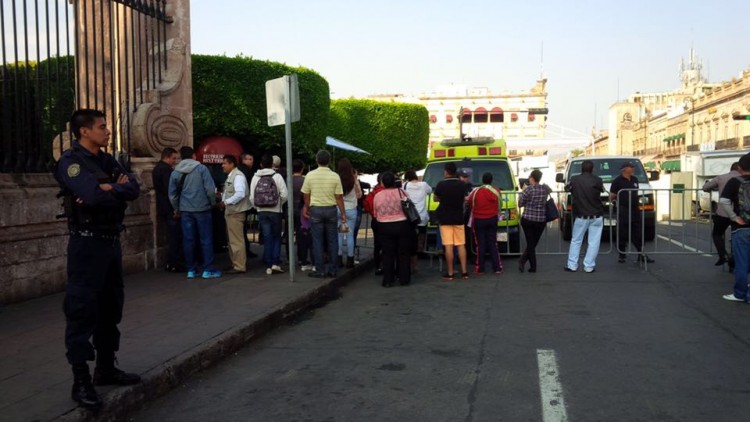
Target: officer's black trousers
column 93, row 297
column 629, row 231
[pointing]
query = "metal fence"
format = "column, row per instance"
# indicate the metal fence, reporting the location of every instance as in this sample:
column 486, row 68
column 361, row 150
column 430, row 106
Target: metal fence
column 58, row 55
column 668, row 221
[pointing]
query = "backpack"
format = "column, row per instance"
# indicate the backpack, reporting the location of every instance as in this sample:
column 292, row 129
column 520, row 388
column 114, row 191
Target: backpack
column 743, row 199
column 266, row 193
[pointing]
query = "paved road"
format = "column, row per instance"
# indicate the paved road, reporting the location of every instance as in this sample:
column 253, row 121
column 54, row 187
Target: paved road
column 624, row 344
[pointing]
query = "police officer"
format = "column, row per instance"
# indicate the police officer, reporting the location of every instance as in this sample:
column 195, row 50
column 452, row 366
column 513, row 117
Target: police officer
column 629, row 221
column 95, row 189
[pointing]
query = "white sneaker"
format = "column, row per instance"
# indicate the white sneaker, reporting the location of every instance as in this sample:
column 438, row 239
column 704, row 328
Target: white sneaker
column 269, row 271
column 306, row 267
column 276, row 269
column 588, row 270
column 732, row 298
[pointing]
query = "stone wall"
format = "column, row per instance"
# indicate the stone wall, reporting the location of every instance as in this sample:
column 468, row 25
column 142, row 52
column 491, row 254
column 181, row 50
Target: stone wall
column 32, row 241
column 33, row 252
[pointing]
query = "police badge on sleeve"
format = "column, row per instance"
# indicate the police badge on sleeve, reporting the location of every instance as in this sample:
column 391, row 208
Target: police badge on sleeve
column 74, row 170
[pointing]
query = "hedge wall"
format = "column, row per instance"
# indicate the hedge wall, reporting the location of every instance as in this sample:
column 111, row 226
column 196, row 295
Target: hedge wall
column 229, row 98
column 396, row 135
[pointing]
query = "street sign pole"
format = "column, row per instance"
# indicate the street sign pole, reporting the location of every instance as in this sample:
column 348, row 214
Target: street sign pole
column 282, row 99
column 290, row 81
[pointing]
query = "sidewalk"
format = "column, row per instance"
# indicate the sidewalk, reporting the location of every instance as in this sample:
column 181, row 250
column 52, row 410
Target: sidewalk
column 172, row 327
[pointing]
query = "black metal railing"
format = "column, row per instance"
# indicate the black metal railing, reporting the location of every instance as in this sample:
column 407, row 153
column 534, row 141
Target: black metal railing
column 58, row 55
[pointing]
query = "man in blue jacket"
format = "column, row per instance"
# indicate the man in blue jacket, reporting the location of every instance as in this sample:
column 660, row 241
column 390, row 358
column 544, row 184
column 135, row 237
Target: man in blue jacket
column 192, row 193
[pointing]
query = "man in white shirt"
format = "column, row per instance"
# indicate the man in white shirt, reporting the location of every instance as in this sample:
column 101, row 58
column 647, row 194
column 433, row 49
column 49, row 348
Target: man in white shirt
column 235, row 201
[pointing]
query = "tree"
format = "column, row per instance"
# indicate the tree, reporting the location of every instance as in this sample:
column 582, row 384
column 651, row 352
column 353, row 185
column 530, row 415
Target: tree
column 395, row 134
column 229, row 98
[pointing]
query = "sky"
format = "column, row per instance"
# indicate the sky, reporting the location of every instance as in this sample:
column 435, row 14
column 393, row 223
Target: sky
column 593, row 50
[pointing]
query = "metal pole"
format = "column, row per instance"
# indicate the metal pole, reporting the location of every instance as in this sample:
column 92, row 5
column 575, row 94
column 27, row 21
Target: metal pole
column 289, row 173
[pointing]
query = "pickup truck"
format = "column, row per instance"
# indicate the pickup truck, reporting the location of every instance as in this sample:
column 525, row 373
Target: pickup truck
column 608, row 167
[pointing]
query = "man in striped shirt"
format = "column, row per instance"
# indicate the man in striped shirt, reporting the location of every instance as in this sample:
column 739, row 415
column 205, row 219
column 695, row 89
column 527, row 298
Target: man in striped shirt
column 323, row 193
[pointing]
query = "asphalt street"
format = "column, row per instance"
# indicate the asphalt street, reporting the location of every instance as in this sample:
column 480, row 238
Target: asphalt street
column 621, row 344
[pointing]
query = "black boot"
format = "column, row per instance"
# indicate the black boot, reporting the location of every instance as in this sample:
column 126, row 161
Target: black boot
column 341, row 262
column 106, row 373
column 83, row 391
column 644, row 258
column 349, row 262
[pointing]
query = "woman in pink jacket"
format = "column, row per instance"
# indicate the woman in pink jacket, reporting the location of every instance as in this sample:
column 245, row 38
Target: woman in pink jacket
column 396, row 233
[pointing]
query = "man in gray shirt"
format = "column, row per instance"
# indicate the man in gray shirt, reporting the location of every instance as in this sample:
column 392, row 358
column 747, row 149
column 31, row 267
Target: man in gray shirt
column 721, row 220
column 588, row 212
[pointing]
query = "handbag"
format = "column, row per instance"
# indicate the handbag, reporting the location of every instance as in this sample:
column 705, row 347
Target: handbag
column 409, row 209
column 551, row 213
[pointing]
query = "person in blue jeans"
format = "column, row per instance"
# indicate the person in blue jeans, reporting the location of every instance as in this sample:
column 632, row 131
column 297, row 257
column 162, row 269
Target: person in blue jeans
column 735, row 202
column 352, row 193
column 323, row 195
column 588, row 213
column 192, row 193
column 269, row 206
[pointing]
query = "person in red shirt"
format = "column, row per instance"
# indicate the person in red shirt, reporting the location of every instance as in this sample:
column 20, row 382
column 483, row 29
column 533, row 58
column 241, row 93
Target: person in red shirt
column 484, row 204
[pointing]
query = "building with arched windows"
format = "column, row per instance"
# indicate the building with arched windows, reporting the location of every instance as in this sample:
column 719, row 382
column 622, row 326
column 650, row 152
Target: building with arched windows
column 698, row 116
column 481, row 112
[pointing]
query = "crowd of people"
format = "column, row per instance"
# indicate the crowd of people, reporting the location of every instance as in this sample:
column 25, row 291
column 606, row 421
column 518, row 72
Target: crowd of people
column 328, row 206
column 327, row 209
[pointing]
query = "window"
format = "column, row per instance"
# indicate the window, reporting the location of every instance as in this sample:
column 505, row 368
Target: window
column 448, row 118
column 496, row 115
column 480, row 115
column 502, row 177
column 466, row 117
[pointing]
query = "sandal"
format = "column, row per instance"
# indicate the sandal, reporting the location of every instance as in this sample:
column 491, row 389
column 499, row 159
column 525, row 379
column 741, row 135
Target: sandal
column 447, row 277
column 465, row 276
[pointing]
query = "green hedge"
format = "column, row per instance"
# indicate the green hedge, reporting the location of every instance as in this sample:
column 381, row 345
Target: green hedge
column 229, row 98
column 396, row 135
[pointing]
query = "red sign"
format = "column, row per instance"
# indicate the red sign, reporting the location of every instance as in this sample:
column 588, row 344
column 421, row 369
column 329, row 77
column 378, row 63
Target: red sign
column 212, row 150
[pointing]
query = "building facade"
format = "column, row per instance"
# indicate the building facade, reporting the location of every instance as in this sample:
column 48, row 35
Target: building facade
column 480, row 112
column 659, row 127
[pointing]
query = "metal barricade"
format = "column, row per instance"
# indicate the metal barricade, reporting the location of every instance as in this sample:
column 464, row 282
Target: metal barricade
column 666, row 222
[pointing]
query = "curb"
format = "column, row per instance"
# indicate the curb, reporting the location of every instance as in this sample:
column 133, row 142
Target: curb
column 159, row 381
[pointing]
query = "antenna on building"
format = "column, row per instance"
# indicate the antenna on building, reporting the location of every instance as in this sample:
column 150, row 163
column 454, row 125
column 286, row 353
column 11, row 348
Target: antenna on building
column 618, row 89
column 595, row 116
column 541, row 75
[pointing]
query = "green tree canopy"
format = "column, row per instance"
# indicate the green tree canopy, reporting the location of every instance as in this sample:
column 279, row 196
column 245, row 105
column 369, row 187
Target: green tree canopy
column 395, row 134
column 229, row 98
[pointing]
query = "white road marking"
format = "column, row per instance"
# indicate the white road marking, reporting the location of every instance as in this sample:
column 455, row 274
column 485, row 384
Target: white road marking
column 553, row 405
column 682, row 245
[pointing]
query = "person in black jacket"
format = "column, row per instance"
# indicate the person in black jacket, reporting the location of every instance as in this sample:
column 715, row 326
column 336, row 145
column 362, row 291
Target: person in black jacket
column 95, row 189
column 166, row 215
column 588, row 213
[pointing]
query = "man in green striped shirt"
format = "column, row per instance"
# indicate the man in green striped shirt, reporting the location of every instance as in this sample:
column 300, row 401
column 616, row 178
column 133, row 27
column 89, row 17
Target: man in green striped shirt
column 323, row 193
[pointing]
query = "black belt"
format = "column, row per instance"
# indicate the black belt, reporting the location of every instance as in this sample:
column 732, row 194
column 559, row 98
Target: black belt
column 95, row 235
column 588, row 217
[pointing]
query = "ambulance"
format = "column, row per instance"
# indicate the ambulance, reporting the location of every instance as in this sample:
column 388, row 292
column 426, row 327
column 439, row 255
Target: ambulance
column 476, row 156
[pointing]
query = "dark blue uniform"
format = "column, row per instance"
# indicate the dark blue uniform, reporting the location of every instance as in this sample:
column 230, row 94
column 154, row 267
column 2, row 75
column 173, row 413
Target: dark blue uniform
column 94, row 291
column 629, row 219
